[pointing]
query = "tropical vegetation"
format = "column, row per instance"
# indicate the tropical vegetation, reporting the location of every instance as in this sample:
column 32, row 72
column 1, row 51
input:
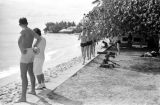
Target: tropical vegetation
column 121, row 17
column 52, row 27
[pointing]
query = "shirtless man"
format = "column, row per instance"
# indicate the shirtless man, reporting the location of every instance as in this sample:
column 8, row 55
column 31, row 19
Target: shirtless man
column 27, row 56
column 83, row 44
column 93, row 34
column 89, row 41
column 118, row 42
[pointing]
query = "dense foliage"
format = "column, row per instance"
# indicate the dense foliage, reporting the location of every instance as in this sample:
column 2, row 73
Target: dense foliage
column 119, row 17
column 78, row 28
column 56, row 27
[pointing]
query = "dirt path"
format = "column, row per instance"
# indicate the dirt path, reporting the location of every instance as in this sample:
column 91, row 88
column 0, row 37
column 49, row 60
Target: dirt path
column 135, row 82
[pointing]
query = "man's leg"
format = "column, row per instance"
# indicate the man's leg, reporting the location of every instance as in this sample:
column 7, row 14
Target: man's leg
column 42, row 76
column 42, row 81
column 39, row 79
column 118, row 48
column 32, row 78
column 89, row 52
column 23, row 69
column 83, row 54
column 94, row 49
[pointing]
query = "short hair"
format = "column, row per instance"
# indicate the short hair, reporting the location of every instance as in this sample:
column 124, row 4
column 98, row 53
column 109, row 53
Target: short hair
column 38, row 31
column 23, row 21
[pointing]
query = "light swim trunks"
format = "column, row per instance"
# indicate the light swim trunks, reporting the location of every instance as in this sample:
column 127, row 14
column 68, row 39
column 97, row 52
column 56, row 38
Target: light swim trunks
column 28, row 57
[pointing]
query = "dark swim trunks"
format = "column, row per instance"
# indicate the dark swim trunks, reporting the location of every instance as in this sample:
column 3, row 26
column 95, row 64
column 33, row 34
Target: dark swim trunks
column 89, row 43
column 83, row 44
column 119, row 41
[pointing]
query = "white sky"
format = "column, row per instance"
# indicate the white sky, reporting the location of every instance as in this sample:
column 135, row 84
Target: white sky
column 49, row 10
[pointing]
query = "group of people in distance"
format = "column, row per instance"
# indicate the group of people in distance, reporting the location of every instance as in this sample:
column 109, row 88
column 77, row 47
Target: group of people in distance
column 91, row 35
column 32, row 58
column 88, row 43
column 89, row 38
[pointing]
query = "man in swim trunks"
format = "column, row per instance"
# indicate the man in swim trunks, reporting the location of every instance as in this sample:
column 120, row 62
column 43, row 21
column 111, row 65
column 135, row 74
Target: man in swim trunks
column 83, row 44
column 118, row 42
column 27, row 56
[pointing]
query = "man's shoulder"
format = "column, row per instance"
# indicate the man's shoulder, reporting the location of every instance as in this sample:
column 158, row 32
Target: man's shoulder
column 44, row 39
column 29, row 30
column 23, row 32
column 26, row 30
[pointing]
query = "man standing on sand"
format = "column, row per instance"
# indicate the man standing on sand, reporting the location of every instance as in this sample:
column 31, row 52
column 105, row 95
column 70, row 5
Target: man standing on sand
column 27, row 56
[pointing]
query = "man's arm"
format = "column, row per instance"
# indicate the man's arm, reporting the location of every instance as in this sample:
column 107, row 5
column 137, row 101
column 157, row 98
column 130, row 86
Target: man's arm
column 20, row 40
column 79, row 36
column 36, row 36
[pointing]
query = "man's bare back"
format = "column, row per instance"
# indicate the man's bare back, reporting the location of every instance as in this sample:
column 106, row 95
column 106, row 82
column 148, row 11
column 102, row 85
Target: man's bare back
column 27, row 37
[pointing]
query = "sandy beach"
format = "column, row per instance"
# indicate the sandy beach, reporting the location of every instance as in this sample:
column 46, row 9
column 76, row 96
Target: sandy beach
column 58, row 64
column 10, row 92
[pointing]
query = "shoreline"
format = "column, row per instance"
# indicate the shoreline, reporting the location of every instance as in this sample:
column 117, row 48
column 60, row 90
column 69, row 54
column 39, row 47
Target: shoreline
column 52, row 60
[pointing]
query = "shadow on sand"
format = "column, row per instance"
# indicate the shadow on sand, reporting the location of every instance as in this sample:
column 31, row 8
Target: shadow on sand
column 48, row 97
column 62, row 100
column 147, row 65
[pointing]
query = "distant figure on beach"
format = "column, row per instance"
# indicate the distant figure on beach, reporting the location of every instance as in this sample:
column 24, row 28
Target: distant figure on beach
column 89, row 43
column 27, row 56
column 39, row 60
column 83, row 44
column 130, row 40
column 93, row 33
column 118, row 42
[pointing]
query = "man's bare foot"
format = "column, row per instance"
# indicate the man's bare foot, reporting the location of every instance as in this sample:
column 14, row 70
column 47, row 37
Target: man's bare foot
column 21, row 100
column 32, row 92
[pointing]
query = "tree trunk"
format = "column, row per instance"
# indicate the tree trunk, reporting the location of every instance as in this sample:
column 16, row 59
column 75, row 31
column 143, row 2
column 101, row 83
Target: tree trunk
column 153, row 43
